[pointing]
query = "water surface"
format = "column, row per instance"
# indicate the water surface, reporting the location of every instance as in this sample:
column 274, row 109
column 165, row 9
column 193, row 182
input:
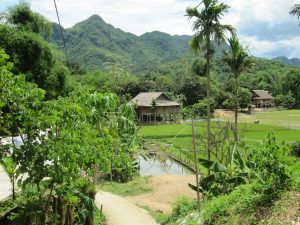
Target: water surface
column 161, row 164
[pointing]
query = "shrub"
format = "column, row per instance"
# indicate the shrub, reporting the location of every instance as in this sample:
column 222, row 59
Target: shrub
column 270, row 163
column 181, row 208
column 200, row 109
column 296, row 149
column 287, row 101
column 243, row 201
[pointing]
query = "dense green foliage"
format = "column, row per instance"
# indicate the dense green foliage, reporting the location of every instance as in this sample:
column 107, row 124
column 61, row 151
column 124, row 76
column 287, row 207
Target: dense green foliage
column 129, row 64
column 64, row 143
column 293, row 61
column 20, row 37
column 296, row 149
column 74, row 129
column 274, row 171
column 286, row 101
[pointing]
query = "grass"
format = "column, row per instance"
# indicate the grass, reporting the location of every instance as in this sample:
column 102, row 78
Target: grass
column 285, row 124
column 183, row 140
column 249, row 203
column 138, row 186
column 99, row 218
column 285, row 118
column 180, row 135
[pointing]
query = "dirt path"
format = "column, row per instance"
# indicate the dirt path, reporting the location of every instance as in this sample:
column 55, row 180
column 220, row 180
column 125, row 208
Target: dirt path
column 166, row 188
column 119, row 211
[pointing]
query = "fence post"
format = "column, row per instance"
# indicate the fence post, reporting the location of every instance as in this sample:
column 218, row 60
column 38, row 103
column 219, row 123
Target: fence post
column 196, row 164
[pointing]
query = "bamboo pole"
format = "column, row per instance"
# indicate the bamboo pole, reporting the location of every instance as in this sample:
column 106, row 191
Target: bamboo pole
column 196, row 165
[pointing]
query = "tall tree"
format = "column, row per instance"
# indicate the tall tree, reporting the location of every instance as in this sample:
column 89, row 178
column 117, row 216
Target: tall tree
column 207, row 27
column 291, row 84
column 23, row 18
column 238, row 59
column 21, row 36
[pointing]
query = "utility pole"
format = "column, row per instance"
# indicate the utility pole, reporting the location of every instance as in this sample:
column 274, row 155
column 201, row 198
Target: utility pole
column 196, row 164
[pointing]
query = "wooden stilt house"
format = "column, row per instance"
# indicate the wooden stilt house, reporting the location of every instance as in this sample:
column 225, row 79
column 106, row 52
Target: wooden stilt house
column 153, row 107
column 262, row 99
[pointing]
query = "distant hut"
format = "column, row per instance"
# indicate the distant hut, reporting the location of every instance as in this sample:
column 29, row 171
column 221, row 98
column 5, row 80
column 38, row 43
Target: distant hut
column 155, row 106
column 262, row 99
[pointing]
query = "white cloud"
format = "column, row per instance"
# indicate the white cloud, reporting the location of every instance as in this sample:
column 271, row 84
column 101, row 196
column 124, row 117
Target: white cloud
column 134, row 16
column 264, row 24
column 270, row 49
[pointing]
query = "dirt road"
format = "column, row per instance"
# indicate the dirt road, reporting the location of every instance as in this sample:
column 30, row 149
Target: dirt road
column 119, row 211
column 5, row 186
column 166, row 188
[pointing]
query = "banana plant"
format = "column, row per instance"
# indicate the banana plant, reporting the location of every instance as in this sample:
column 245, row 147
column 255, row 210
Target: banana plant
column 224, row 179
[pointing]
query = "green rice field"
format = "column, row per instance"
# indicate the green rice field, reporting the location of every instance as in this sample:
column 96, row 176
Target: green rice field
column 285, row 125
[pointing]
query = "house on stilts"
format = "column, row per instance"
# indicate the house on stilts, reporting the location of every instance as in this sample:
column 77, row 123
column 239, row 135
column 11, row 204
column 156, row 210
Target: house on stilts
column 153, row 107
column 262, row 99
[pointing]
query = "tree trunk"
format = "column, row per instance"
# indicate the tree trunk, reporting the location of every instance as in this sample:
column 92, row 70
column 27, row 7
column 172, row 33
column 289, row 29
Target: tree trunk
column 55, row 211
column 44, row 216
column 62, row 210
column 13, row 188
column 208, row 97
column 235, row 109
column 111, row 171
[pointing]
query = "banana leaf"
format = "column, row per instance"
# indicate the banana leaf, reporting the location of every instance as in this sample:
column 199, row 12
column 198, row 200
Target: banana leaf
column 237, row 180
column 193, row 187
column 213, row 166
column 238, row 161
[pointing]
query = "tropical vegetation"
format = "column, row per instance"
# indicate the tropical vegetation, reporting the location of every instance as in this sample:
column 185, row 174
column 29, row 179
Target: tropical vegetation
column 65, row 124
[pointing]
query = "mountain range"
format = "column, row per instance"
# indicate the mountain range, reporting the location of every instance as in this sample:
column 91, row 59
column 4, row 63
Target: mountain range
column 293, row 61
column 93, row 42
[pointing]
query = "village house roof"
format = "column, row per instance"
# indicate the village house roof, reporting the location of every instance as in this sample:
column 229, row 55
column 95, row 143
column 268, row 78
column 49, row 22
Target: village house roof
column 146, row 99
column 261, row 94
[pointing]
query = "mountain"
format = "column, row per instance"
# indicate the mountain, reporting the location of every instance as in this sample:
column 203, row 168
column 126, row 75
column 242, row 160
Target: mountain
column 293, row 61
column 93, row 42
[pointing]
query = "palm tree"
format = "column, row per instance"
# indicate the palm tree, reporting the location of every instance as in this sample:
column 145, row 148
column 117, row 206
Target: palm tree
column 238, row 59
column 295, row 10
column 207, row 27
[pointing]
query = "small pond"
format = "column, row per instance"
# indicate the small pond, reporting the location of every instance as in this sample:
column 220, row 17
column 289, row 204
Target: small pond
column 161, row 164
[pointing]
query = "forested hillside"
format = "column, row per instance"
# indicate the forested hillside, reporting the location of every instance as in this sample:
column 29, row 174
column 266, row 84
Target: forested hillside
column 292, row 61
column 93, row 42
column 128, row 64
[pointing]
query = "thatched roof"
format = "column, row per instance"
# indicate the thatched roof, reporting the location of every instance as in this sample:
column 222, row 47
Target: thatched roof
column 146, row 99
column 261, row 94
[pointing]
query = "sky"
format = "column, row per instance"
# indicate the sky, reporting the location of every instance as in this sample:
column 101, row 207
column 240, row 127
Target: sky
column 265, row 26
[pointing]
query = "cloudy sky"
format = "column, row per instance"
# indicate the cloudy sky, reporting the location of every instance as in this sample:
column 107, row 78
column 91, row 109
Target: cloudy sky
column 264, row 25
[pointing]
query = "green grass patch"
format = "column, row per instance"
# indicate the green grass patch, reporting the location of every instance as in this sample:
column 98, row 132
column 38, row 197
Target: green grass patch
column 247, row 204
column 180, row 135
column 182, row 206
column 138, row 186
column 285, row 118
column 99, row 218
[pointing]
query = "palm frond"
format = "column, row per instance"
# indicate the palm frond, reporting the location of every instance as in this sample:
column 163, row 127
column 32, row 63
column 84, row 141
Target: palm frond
column 195, row 44
column 295, row 10
column 207, row 23
column 237, row 57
